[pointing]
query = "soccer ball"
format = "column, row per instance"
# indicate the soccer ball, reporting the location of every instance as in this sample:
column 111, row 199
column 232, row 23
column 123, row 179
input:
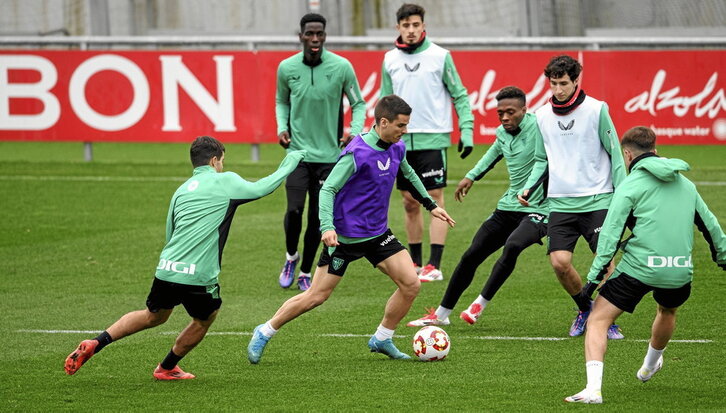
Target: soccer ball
column 431, row 344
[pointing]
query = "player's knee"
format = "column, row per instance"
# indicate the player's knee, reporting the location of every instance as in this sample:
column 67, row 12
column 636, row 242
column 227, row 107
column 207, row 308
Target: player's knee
column 295, row 211
column 317, row 298
column 561, row 266
column 512, row 249
column 156, row 319
column 411, row 206
column 410, row 288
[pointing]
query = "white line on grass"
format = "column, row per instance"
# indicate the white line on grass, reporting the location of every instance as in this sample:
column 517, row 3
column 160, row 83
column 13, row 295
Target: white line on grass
column 182, row 179
column 246, row 333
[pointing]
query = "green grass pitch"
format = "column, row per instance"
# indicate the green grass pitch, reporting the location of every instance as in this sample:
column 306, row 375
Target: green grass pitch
column 80, row 242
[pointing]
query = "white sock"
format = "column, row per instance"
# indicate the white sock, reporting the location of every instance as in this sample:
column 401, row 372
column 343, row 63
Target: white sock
column 481, row 301
column 442, row 313
column 292, row 257
column 651, row 357
column 267, row 329
column 383, row 333
column 594, row 375
column 304, row 274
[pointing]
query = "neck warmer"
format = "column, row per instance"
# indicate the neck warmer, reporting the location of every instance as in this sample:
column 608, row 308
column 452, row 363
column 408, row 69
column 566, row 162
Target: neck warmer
column 563, row 108
column 409, row 48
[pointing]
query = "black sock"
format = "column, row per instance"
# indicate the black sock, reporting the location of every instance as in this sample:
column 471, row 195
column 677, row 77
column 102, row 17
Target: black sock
column 437, row 250
column 170, row 361
column 583, row 303
column 416, row 253
column 103, row 339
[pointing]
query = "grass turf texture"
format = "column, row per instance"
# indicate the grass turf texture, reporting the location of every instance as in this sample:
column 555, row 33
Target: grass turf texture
column 79, row 251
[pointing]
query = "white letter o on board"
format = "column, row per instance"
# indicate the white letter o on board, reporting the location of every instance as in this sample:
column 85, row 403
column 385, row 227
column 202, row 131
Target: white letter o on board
column 122, row 65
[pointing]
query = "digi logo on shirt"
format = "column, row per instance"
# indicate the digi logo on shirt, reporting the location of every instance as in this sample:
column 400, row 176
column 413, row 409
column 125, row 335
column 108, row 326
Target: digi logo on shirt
column 177, row 266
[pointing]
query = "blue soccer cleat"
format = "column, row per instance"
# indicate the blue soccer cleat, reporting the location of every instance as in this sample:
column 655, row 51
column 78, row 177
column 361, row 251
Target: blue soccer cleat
column 287, row 275
column 257, row 345
column 614, row 332
column 578, row 324
column 303, row 282
column 386, row 347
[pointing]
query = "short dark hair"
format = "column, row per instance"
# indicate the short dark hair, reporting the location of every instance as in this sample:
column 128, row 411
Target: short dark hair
column 203, row 149
column 561, row 65
column 639, row 139
column 512, row 92
column 390, row 107
column 311, row 18
column 408, row 10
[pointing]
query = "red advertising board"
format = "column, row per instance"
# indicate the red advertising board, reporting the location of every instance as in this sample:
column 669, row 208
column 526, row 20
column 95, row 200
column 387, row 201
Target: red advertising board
column 173, row 96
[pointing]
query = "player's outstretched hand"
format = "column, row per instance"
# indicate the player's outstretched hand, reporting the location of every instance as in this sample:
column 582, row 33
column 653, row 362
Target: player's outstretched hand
column 330, row 238
column 466, row 142
column 523, row 198
column 441, row 214
column 284, row 139
column 462, row 189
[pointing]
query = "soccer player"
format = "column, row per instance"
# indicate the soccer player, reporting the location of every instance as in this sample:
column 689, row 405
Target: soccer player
column 354, row 222
column 580, row 154
column 511, row 225
column 657, row 257
column 424, row 75
column 197, row 227
column 309, row 110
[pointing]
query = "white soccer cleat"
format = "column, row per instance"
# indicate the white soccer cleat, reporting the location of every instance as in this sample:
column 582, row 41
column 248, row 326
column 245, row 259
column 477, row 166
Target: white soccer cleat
column 586, row 396
column 429, row 319
column 430, row 273
column 645, row 374
column 471, row 314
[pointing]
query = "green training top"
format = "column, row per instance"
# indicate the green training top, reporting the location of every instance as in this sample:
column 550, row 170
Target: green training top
column 665, row 205
column 309, row 104
column 199, row 218
column 342, row 171
column 518, row 152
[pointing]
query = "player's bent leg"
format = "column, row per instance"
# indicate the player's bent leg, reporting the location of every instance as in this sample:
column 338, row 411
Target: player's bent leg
column 193, row 334
column 128, row 324
column 663, row 326
column 398, row 267
column 602, row 316
column 322, row 286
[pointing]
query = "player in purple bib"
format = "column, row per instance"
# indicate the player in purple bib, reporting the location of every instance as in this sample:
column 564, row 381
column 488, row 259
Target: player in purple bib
column 354, row 223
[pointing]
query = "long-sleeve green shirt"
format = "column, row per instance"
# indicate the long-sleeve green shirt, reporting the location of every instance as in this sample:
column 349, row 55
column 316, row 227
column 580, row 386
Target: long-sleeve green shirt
column 518, row 152
column 664, row 206
column 199, row 218
column 309, row 104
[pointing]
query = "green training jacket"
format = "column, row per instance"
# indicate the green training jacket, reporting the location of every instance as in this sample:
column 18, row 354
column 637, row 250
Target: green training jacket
column 199, row 218
column 518, row 152
column 309, row 104
column 664, row 206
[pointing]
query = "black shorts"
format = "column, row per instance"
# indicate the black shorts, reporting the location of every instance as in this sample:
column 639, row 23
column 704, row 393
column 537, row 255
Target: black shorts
column 429, row 165
column 565, row 228
column 625, row 292
column 374, row 250
column 309, row 176
column 200, row 301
